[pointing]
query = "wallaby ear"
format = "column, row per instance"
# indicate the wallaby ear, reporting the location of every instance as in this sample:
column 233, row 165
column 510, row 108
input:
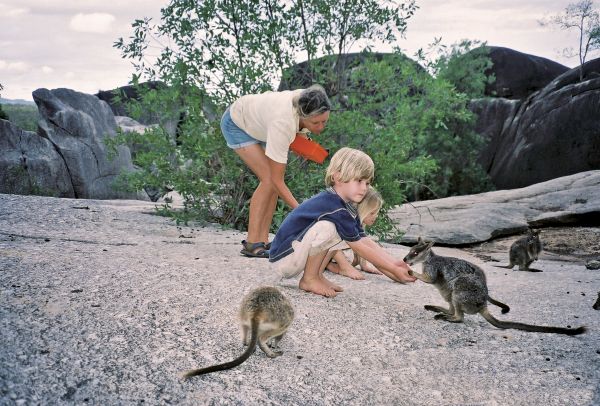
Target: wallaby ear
column 419, row 240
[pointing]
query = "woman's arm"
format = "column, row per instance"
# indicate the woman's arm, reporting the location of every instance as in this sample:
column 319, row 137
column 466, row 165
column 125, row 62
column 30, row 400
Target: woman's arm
column 277, row 177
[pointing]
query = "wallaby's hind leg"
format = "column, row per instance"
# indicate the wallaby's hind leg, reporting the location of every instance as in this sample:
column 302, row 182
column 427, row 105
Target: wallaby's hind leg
column 457, row 317
column 527, row 268
column 245, row 335
column 437, row 309
column 271, row 353
column 274, row 341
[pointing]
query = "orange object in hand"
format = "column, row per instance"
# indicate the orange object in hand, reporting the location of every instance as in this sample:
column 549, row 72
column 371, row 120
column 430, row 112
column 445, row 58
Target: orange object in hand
column 308, row 149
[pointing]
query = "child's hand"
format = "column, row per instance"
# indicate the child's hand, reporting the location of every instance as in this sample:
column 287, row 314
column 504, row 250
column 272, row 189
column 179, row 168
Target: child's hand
column 403, row 273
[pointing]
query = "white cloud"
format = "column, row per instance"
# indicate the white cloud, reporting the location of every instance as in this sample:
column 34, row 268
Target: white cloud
column 13, row 66
column 98, row 23
column 47, row 69
column 6, row 10
column 69, row 75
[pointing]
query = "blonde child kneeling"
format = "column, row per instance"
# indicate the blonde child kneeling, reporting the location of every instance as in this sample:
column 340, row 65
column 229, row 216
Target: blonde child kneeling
column 311, row 234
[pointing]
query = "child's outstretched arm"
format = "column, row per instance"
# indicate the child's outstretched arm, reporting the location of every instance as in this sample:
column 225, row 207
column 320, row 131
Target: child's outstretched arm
column 393, row 268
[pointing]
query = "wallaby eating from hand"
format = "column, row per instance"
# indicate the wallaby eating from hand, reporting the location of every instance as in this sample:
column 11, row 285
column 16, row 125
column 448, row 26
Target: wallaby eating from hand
column 265, row 316
column 463, row 285
column 524, row 251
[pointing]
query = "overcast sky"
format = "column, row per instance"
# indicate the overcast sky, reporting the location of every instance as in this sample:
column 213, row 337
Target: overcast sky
column 68, row 43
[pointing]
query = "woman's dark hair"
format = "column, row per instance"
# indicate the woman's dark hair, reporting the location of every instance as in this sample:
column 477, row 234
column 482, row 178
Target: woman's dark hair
column 312, row 102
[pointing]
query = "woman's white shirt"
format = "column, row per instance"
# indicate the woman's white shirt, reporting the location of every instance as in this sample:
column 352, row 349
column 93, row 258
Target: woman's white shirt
column 269, row 117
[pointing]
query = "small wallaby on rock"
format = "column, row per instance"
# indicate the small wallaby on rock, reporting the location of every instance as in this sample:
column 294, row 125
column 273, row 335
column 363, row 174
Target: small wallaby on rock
column 463, row 285
column 596, row 306
column 524, row 251
column 265, row 316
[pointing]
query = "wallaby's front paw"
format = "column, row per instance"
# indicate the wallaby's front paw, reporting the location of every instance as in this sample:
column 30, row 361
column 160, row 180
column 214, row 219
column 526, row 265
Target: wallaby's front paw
column 275, row 354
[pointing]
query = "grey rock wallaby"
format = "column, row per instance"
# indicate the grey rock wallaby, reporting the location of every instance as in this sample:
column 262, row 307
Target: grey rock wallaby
column 463, row 285
column 265, row 316
column 524, row 251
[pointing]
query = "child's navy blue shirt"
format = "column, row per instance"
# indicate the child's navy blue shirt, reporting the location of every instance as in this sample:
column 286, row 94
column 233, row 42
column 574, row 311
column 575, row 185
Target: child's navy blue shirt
column 327, row 205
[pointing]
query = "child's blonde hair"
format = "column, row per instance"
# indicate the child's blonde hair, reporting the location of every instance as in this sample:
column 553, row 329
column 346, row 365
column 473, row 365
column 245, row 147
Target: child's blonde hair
column 352, row 164
column 372, row 202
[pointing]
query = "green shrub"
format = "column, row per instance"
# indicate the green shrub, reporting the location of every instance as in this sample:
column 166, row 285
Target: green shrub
column 3, row 115
column 22, row 115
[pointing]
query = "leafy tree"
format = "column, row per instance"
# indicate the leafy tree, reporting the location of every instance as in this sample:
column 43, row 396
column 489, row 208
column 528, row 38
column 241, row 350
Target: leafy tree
column 464, row 65
column 586, row 20
column 229, row 48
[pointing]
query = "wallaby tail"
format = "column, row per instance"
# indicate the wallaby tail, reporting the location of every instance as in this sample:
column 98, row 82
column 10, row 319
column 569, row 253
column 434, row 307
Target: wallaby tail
column 529, row 327
column 505, row 308
column 231, row 364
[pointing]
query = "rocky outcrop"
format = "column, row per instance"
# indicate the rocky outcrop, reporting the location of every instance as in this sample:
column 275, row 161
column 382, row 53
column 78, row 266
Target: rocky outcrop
column 494, row 118
column 117, row 98
column 518, row 74
column 29, row 164
column 76, row 125
column 554, row 132
column 481, row 217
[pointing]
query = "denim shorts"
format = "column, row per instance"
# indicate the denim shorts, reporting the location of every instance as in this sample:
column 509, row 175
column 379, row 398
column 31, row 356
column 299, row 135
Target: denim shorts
column 234, row 135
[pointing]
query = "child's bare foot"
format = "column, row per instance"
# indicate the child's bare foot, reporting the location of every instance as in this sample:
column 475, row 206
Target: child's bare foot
column 348, row 271
column 317, row 286
column 351, row 272
column 332, row 285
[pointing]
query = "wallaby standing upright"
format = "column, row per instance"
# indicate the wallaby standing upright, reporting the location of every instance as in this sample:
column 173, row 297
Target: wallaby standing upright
column 524, row 251
column 463, row 285
column 265, row 316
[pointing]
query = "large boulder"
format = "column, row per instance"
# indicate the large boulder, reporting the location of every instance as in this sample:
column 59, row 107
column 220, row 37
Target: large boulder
column 117, row 98
column 518, row 74
column 477, row 218
column 29, row 164
column 77, row 125
column 494, row 117
column 554, row 132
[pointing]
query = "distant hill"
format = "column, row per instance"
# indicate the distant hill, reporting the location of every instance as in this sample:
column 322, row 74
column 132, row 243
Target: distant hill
column 16, row 101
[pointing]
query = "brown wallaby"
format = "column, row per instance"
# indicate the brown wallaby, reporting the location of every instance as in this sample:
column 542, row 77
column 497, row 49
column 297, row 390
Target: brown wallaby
column 463, row 285
column 524, row 251
column 265, row 316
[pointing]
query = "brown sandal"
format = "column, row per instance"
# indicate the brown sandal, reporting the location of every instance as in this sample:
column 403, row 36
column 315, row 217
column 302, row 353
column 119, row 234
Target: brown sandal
column 255, row 249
